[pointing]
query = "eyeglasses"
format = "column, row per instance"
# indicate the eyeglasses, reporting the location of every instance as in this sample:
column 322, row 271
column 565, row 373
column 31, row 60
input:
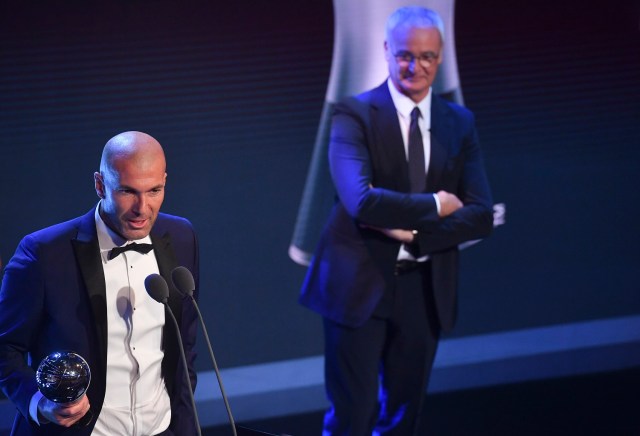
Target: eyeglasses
column 425, row 59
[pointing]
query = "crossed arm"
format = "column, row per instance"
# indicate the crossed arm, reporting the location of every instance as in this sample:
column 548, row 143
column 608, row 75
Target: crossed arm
column 465, row 211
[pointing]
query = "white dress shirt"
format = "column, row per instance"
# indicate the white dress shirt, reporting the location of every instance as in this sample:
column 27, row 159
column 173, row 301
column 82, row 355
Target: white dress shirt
column 136, row 401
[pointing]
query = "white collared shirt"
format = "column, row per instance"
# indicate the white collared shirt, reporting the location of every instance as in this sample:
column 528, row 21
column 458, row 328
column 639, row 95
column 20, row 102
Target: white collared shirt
column 136, row 401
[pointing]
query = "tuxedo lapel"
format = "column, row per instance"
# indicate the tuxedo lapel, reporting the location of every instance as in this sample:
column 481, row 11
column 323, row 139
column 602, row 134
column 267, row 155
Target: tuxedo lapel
column 87, row 252
column 167, row 261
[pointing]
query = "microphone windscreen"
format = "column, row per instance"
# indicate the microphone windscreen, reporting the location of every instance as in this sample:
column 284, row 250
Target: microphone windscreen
column 157, row 288
column 183, row 280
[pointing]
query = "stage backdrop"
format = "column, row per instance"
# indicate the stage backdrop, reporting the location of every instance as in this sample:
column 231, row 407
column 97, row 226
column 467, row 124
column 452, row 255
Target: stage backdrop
column 235, row 93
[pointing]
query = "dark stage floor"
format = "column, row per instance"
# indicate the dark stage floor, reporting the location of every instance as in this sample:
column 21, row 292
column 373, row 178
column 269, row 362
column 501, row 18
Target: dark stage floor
column 596, row 404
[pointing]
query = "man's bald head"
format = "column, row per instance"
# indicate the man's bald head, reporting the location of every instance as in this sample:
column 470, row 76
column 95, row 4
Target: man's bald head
column 131, row 183
column 137, row 148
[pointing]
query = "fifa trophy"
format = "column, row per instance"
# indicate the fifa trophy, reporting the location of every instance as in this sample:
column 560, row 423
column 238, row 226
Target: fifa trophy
column 63, row 377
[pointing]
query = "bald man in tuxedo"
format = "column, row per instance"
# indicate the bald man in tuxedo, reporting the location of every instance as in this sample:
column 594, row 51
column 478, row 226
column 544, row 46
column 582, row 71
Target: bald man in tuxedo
column 79, row 286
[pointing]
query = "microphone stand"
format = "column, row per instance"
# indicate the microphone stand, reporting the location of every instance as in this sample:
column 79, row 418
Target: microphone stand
column 158, row 289
column 215, row 367
column 183, row 281
column 186, row 368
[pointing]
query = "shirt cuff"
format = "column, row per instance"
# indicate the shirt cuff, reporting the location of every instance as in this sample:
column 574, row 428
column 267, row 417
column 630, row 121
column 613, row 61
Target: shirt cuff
column 33, row 408
column 435, row 197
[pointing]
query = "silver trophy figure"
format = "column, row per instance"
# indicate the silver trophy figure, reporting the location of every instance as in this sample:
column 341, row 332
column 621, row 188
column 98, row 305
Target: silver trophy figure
column 63, row 377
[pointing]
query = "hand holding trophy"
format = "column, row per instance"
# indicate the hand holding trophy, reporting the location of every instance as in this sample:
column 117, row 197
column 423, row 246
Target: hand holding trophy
column 63, row 378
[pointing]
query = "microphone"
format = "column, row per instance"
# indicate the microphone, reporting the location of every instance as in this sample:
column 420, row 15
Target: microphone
column 183, row 280
column 158, row 289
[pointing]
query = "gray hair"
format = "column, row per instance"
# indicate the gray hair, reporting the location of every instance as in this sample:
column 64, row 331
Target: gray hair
column 414, row 16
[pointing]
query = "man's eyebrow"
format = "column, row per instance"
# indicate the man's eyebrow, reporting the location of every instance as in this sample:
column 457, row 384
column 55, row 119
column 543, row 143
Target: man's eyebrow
column 130, row 188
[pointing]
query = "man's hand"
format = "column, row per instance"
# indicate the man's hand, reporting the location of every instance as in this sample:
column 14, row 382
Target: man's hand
column 449, row 203
column 404, row 236
column 64, row 414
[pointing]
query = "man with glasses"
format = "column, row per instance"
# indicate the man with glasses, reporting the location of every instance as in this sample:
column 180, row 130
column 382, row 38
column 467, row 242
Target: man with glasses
column 411, row 187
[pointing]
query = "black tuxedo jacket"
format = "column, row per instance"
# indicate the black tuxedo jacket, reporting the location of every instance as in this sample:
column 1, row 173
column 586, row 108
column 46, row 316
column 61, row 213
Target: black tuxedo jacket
column 354, row 265
column 53, row 299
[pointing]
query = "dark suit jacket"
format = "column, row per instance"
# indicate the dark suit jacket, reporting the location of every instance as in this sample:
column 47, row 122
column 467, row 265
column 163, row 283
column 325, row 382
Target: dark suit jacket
column 353, row 265
column 53, row 299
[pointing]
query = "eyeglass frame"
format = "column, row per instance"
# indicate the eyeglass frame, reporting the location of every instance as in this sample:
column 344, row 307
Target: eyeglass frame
column 425, row 59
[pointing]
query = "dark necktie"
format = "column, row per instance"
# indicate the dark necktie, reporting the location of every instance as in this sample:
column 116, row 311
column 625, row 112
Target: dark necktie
column 417, row 172
column 140, row 248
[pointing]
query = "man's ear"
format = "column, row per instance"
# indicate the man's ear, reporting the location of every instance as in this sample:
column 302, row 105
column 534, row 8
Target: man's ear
column 387, row 52
column 99, row 184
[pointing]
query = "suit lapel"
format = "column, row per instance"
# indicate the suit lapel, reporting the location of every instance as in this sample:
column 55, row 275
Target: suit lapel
column 385, row 120
column 440, row 136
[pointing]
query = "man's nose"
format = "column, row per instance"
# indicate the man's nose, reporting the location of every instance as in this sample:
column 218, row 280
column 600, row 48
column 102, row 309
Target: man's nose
column 413, row 65
column 140, row 203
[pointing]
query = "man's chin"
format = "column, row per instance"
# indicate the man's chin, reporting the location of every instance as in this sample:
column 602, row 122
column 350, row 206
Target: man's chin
column 415, row 94
column 134, row 234
column 415, row 87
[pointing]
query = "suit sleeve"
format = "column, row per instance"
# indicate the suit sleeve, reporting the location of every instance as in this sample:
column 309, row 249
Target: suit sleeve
column 464, row 175
column 21, row 300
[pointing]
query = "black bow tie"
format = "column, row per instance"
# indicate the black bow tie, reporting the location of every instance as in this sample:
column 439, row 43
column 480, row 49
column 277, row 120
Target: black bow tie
column 140, row 248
